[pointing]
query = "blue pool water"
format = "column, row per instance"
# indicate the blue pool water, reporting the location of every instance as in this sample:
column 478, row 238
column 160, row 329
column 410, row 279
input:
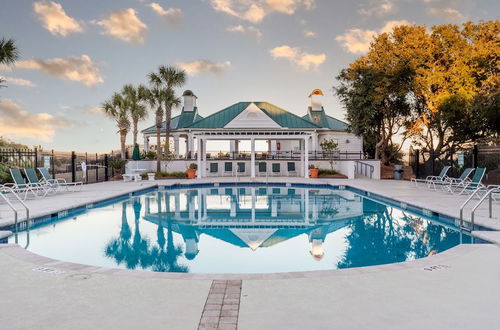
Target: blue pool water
column 242, row 229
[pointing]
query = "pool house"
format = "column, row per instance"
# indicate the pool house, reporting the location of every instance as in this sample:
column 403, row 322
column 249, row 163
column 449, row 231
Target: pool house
column 256, row 139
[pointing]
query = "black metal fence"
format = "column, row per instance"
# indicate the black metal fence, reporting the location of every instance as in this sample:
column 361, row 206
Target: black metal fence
column 425, row 162
column 66, row 165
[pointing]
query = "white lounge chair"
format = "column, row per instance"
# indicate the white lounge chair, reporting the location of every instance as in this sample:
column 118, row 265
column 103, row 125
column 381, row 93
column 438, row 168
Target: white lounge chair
column 429, row 179
column 468, row 186
column 59, row 182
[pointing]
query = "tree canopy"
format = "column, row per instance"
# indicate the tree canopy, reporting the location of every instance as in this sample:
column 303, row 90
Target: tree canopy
column 437, row 87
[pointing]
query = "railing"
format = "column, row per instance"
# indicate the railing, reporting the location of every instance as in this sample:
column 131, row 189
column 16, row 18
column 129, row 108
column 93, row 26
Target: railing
column 279, row 155
column 465, row 203
column 6, row 199
column 488, row 194
column 364, row 169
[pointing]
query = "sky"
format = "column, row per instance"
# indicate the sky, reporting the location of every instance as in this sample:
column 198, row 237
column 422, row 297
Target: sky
column 75, row 54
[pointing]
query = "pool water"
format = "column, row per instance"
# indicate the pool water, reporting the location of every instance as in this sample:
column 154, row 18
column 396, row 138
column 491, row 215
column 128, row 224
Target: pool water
column 242, row 229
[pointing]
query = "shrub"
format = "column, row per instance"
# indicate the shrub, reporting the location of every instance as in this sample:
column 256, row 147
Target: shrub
column 164, row 175
column 312, row 167
column 193, row 166
column 118, row 164
column 4, row 173
column 327, row 172
column 150, row 155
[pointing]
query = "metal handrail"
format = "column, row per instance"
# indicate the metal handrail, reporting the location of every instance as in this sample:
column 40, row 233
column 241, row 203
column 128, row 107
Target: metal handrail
column 465, row 203
column 364, row 167
column 19, row 200
column 490, row 202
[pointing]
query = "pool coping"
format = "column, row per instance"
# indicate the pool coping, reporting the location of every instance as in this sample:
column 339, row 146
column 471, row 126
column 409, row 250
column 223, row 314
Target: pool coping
column 430, row 263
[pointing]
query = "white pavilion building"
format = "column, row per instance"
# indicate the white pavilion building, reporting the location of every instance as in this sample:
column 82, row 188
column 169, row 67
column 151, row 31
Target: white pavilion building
column 290, row 138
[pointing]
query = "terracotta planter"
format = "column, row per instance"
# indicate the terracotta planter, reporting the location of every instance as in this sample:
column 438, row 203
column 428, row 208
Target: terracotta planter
column 313, row 172
column 191, row 173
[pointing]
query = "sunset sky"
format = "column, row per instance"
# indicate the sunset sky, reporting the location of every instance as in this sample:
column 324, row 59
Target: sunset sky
column 75, row 54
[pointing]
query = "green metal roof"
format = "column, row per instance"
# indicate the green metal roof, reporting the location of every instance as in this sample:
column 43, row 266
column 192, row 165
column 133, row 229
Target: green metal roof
column 325, row 121
column 282, row 117
column 183, row 120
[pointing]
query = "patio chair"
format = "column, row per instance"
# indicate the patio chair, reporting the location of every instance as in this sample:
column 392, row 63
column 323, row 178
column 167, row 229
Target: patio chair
column 43, row 186
column 468, row 186
column 464, row 177
column 60, row 182
column 20, row 186
column 428, row 180
column 276, row 168
column 291, row 168
column 228, row 168
column 214, row 168
column 262, row 168
column 241, row 167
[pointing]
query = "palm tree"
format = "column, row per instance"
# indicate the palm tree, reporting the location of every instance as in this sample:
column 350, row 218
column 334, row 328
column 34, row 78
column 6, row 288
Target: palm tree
column 116, row 108
column 155, row 96
column 168, row 78
column 134, row 98
column 8, row 53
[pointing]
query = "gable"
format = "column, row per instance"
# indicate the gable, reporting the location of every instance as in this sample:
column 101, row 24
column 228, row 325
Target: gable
column 252, row 117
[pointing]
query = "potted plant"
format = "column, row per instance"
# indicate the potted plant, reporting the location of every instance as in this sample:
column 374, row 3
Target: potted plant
column 118, row 165
column 191, row 171
column 313, row 171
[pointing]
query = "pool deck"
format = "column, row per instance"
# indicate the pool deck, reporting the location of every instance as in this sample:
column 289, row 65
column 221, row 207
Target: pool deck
column 456, row 289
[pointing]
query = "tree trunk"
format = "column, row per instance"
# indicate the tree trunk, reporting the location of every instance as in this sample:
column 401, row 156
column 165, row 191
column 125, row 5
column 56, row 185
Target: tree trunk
column 168, row 118
column 136, row 131
column 123, row 138
column 159, row 115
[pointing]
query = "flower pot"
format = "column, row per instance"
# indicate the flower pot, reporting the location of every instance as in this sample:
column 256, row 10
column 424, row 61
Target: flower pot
column 313, row 173
column 191, row 173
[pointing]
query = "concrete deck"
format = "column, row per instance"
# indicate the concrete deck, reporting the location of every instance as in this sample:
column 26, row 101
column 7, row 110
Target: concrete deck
column 456, row 289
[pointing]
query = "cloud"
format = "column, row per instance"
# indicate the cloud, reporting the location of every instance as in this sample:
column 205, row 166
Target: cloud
column 249, row 31
column 16, row 122
column 54, row 18
column 18, row 81
column 378, row 7
column 448, row 13
column 357, row 41
column 94, row 111
column 309, row 34
column 173, row 16
column 296, row 56
column 195, row 67
column 80, row 69
column 256, row 10
column 124, row 25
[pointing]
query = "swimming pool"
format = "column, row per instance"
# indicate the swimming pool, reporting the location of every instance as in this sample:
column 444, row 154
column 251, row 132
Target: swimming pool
column 242, row 229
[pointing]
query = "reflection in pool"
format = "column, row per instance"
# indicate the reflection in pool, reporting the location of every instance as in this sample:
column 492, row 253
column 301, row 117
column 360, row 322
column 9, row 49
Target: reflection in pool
column 248, row 229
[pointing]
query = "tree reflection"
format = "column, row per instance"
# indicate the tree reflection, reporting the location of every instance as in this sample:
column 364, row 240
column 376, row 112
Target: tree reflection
column 137, row 251
column 381, row 238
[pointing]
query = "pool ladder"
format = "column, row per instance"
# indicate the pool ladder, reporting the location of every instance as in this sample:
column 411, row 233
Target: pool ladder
column 13, row 208
column 488, row 194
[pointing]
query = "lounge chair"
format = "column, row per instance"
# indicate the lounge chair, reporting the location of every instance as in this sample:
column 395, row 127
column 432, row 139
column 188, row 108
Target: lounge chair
column 60, row 182
column 228, row 168
column 291, row 168
column 43, row 186
column 276, row 168
column 262, row 168
column 214, row 168
column 468, row 186
column 20, row 186
column 464, row 177
column 429, row 179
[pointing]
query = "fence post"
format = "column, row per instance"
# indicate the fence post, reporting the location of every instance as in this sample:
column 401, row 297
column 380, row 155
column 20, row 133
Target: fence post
column 36, row 158
column 106, row 173
column 53, row 165
column 417, row 163
column 433, row 155
column 475, row 152
column 96, row 168
column 73, row 166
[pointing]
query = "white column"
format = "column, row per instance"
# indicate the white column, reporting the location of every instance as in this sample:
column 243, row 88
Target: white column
column 306, row 205
column 176, row 145
column 232, row 148
column 198, row 197
column 252, row 158
column 204, row 162
column 146, row 144
column 190, row 146
column 191, row 206
column 314, row 144
column 306, row 157
column 198, row 156
column 274, row 147
column 177, row 205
